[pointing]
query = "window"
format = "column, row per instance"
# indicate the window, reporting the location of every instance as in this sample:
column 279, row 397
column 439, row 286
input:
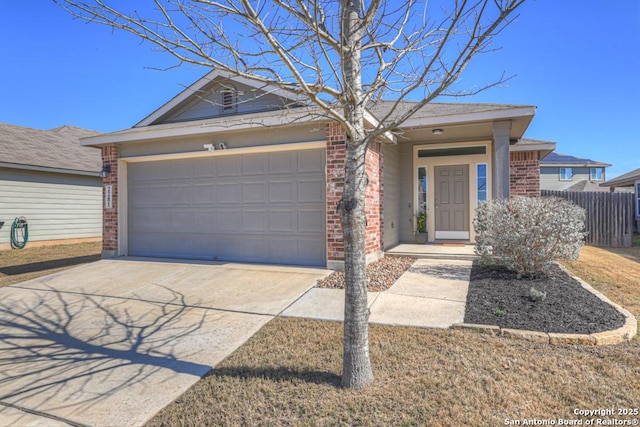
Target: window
column 421, row 214
column 447, row 152
column 566, row 174
column 482, row 182
column 596, row 174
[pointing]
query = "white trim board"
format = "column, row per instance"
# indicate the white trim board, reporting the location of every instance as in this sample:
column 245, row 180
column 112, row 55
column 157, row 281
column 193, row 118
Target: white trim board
column 229, row 152
column 453, row 235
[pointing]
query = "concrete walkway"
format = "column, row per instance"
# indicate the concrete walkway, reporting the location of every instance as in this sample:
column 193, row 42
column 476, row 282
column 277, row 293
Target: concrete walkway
column 431, row 294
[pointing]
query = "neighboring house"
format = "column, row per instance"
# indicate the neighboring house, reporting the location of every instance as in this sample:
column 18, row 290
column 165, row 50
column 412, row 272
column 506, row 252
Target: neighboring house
column 232, row 170
column 569, row 173
column 50, row 179
column 629, row 180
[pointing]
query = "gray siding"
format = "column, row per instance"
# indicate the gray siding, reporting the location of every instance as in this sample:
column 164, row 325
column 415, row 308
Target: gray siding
column 406, row 207
column 391, row 200
column 209, row 103
column 56, row 206
column 237, row 139
column 550, row 178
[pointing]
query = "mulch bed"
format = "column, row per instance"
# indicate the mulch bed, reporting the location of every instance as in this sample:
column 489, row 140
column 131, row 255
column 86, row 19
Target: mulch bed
column 381, row 275
column 496, row 297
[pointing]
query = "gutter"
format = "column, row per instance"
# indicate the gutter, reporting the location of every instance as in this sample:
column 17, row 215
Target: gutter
column 48, row 169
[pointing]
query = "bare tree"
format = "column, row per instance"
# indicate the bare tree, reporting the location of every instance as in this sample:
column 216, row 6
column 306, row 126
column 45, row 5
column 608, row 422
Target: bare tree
column 342, row 56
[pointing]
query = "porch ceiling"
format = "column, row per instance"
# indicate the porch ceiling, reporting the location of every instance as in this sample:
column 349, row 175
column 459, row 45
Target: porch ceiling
column 459, row 132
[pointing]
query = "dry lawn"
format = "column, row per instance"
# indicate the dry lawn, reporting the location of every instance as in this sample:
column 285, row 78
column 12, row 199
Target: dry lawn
column 613, row 271
column 19, row 265
column 288, row 373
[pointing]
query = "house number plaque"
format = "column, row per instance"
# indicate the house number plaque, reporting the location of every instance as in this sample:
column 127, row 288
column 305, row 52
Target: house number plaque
column 108, row 196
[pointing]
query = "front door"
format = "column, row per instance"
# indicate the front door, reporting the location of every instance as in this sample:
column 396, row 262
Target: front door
column 452, row 202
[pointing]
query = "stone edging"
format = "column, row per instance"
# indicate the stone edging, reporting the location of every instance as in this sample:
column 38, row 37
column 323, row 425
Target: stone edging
column 618, row 336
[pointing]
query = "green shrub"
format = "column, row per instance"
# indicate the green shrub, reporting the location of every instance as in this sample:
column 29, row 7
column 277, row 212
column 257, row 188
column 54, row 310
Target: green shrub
column 421, row 222
column 527, row 234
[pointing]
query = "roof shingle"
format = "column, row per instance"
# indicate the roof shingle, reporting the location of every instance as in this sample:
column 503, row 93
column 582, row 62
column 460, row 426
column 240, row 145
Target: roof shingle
column 57, row 148
column 435, row 109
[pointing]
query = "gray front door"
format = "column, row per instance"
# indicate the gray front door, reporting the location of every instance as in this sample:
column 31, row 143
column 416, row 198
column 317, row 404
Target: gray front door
column 452, row 202
column 267, row 208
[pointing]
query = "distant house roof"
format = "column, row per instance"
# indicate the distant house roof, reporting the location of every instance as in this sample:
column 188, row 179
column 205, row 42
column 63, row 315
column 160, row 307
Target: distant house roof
column 588, row 186
column 626, row 180
column 56, row 150
column 557, row 159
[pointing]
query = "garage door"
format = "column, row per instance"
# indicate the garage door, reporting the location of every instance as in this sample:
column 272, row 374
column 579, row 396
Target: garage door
column 267, row 207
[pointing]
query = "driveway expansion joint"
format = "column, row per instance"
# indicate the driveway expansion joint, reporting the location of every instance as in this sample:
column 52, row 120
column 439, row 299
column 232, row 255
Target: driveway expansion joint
column 42, row 414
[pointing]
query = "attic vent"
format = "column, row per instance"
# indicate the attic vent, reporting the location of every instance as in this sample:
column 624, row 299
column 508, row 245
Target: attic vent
column 228, row 101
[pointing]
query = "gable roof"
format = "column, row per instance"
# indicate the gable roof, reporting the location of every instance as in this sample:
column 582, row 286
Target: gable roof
column 300, row 111
column 626, row 180
column 556, row 159
column 200, row 84
column 56, row 150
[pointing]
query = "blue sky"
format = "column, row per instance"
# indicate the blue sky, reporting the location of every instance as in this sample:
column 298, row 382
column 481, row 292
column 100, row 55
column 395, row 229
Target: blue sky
column 578, row 61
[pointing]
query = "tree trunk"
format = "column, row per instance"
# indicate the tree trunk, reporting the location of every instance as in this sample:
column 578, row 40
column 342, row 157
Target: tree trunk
column 356, row 366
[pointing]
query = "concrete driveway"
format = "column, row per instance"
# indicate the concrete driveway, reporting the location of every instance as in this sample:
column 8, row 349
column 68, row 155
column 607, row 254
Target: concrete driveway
column 113, row 342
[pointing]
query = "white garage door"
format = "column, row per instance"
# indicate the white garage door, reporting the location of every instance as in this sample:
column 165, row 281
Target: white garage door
column 267, row 207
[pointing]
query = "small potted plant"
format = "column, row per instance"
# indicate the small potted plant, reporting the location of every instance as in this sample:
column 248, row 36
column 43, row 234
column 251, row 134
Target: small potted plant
column 421, row 227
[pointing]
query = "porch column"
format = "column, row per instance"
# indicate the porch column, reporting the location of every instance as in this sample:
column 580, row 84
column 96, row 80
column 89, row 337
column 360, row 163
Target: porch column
column 501, row 160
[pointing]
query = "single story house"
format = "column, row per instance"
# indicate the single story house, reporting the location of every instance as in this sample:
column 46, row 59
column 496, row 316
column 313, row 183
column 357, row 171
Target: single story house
column 569, row 173
column 238, row 171
column 629, row 180
column 47, row 177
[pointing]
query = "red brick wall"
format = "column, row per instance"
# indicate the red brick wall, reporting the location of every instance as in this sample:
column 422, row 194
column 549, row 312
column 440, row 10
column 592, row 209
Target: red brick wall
column 110, row 154
column 374, row 196
column 525, row 174
column 335, row 185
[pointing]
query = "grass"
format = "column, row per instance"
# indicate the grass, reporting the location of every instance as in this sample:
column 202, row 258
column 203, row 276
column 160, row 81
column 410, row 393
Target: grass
column 288, row 373
column 613, row 271
column 19, row 265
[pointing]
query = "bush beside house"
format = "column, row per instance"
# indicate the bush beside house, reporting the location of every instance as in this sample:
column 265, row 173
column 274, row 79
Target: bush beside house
column 527, row 235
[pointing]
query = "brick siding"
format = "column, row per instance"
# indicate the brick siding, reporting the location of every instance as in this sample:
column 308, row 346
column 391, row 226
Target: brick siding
column 525, row 174
column 335, row 185
column 335, row 137
column 110, row 154
column 374, row 197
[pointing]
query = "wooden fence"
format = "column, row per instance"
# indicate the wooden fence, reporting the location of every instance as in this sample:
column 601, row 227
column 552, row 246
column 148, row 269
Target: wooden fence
column 610, row 216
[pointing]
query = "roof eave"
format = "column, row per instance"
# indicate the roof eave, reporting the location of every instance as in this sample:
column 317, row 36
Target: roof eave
column 524, row 112
column 208, row 126
column 627, row 182
column 575, row 165
column 48, row 169
column 544, row 148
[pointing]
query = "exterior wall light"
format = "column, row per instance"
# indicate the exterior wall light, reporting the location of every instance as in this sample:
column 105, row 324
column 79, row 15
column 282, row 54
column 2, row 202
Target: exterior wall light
column 106, row 170
column 438, row 131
